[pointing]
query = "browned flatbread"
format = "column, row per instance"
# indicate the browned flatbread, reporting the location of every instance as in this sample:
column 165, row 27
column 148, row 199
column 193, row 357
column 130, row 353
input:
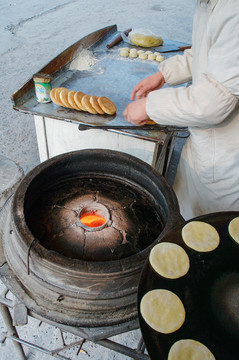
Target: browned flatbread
column 107, row 105
column 77, row 97
column 87, row 105
column 63, row 94
column 72, row 101
column 95, row 104
column 54, row 96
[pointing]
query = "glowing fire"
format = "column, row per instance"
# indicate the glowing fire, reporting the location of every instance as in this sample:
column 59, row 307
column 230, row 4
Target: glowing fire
column 90, row 219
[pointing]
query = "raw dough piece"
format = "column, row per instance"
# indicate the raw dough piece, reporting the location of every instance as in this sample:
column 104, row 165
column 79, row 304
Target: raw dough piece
column 233, row 229
column 85, row 101
column 148, row 52
column 151, row 57
column 188, row 349
column 169, row 260
column 95, row 104
column 140, row 51
column 162, row 310
column 106, row 105
column 159, row 58
column 124, row 52
column 143, row 56
column 133, row 53
column 200, row 236
column 78, row 97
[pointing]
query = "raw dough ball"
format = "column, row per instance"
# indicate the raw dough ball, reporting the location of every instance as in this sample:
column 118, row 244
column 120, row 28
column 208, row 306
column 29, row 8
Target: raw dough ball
column 124, row 52
column 143, row 56
column 151, row 56
column 159, row 58
column 140, row 52
column 133, row 54
column 148, row 52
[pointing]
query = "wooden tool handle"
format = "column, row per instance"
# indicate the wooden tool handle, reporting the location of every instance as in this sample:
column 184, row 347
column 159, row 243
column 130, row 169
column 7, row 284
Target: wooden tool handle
column 117, row 39
column 182, row 48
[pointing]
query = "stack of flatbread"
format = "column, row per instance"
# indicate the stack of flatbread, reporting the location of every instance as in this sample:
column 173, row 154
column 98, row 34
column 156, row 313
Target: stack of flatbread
column 77, row 100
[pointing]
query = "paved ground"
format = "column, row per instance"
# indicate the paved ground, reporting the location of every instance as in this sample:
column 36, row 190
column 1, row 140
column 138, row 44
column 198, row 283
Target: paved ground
column 32, row 33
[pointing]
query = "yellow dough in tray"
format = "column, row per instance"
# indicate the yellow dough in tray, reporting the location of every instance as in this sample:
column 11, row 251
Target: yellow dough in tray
column 145, row 38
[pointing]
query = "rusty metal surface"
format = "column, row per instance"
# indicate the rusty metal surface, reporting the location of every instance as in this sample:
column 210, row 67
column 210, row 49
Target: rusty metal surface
column 108, row 74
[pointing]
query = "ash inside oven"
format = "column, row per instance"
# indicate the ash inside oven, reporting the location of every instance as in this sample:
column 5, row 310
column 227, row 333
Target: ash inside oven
column 132, row 218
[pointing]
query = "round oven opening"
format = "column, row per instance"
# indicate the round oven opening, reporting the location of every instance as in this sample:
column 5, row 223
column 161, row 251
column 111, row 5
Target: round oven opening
column 94, row 217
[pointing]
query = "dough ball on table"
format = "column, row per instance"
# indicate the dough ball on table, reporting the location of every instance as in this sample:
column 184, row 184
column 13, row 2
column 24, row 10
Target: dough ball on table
column 200, row 236
column 140, row 51
column 133, row 53
column 162, row 310
column 148, row 52
column 151, row 57
column 159, row 58
column 124, row 52
column 233, row 229
column 143, row 56
column 188, row 349
column 169, row 260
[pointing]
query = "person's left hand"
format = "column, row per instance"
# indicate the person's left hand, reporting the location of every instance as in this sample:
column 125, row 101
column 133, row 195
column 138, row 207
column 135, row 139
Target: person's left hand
column 135, row 112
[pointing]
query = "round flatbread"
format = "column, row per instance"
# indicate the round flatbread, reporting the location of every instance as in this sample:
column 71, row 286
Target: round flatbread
column 200, row 236
column 169, row 260
column 85, row 101
column 188, row 349
column 77, row 97
column 57, row 96
column 162, row 310
column 95, row 104
column 54, row 95
column 107, row 105
column 233, row 229
column 72, row 101
column 63, row 94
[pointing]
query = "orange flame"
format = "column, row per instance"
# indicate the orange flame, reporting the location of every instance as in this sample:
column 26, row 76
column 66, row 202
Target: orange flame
column 92, row 220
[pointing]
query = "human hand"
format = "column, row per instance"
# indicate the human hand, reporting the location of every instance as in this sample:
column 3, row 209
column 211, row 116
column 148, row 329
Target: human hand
column 152, row 82
column 135, row 112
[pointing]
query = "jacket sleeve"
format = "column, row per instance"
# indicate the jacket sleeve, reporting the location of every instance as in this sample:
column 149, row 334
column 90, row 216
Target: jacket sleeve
column 177, row 69
column 203, row 105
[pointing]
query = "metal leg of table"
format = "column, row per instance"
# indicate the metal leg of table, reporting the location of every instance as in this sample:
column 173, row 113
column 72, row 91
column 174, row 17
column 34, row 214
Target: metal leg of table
column 12, row 331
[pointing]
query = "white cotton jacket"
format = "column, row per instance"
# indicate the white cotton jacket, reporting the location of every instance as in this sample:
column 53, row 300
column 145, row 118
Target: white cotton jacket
column 208, row 174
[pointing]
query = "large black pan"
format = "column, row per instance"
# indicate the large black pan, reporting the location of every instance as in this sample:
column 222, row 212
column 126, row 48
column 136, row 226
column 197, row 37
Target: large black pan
column 209, row 292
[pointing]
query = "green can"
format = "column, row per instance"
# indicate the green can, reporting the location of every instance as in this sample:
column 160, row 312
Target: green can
column 42, row 87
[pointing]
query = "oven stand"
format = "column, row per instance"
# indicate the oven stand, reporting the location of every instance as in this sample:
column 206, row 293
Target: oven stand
column 96, row 335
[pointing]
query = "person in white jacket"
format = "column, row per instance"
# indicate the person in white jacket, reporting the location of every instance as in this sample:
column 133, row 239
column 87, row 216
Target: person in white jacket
column 207, row 178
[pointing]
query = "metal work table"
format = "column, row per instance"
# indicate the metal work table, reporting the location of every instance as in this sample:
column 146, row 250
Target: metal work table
column 89, row 66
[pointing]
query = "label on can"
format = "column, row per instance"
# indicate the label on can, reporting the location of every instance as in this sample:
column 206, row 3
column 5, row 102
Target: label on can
column 42, row 91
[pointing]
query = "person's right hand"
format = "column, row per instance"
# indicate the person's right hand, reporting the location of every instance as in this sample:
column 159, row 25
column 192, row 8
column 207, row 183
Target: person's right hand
column 152, row 82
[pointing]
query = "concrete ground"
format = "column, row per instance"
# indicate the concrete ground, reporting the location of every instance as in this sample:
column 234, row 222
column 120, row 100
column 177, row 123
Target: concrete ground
column 34, row 32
